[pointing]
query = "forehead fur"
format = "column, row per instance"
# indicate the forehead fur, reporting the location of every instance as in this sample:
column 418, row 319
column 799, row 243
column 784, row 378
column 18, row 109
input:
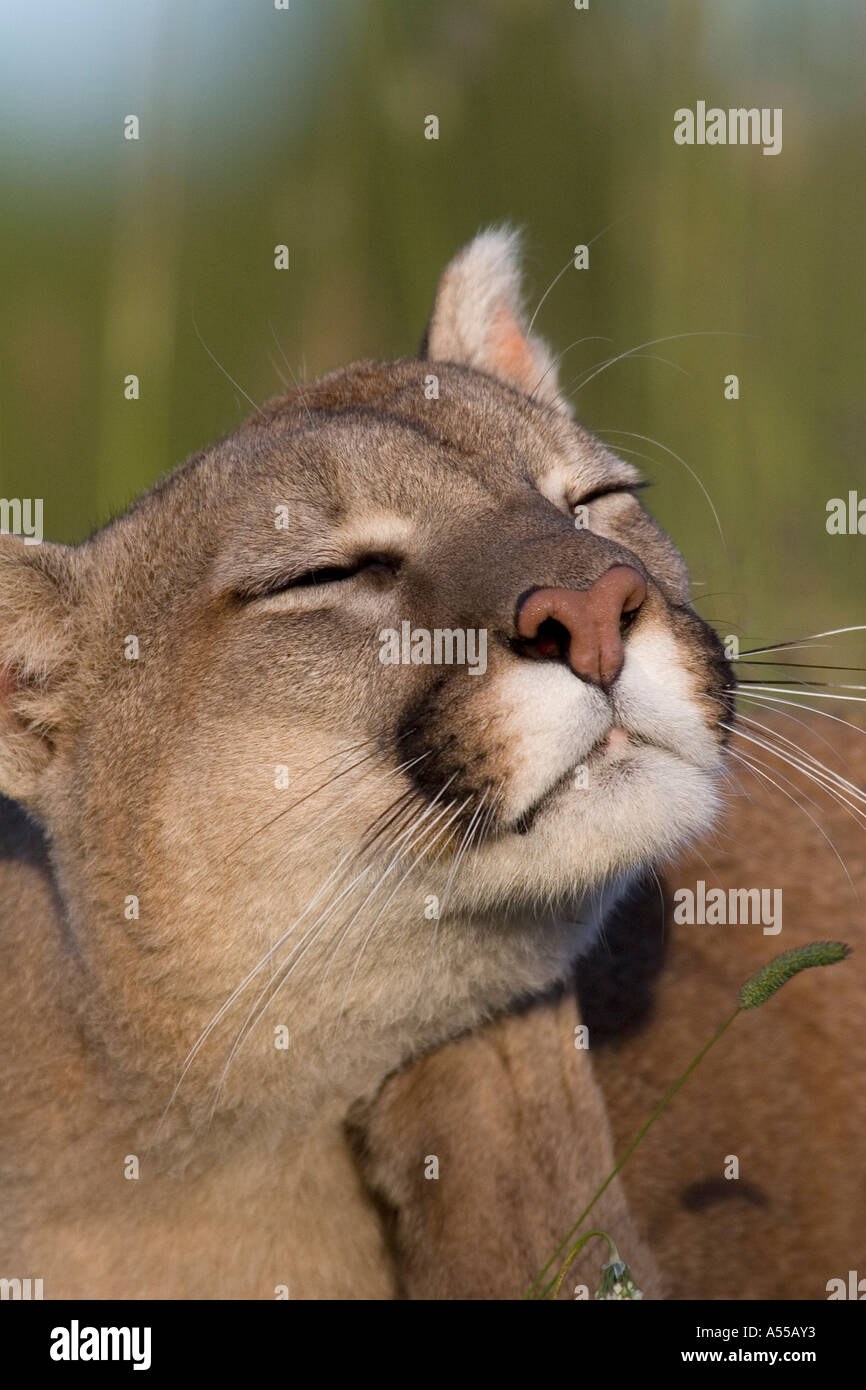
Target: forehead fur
column 367, row 434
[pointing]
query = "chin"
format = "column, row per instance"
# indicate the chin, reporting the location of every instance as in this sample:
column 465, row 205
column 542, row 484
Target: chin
column 642, row 806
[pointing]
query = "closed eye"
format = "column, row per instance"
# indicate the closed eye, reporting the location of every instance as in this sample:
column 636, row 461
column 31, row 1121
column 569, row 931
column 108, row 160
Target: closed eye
column 606, row 490
column 377, row 565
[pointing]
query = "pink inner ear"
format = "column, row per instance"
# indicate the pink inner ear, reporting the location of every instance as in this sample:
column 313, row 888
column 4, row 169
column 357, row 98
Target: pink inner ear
column 511, row 353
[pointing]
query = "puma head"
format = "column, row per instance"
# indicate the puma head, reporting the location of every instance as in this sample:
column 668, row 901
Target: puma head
column 272, row 800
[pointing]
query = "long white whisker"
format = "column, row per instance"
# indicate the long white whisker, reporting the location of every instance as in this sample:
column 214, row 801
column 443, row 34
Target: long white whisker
column 226, row 374
column 771, row 702
column 797, row 642
column 316, row 829
column 291, row 373
column 654, row 342
column 811, row 773
column 812, row 694
column 341, row 1010
column 285, row 810
column 648, row 439
column 757, row 771
column 461, row 851
column 259, row 966
column 816, row 763
column 268, row 994
column 592, row 338
column 556, row 279
column 411, row 831
column 361, row 791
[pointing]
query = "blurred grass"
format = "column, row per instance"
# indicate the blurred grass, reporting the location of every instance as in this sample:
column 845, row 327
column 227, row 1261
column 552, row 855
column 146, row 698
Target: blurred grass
column 560, row 121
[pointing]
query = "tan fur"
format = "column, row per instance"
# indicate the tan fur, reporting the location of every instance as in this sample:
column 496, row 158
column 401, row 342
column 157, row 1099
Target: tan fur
column 782, row 1090
column 237, row 834
column 522, row 1139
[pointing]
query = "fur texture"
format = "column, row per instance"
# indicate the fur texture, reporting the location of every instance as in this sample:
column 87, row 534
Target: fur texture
column 270, row 870
column 782, row 1091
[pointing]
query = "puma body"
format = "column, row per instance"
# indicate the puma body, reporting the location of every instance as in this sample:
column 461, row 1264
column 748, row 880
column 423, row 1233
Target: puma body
column 266, row 870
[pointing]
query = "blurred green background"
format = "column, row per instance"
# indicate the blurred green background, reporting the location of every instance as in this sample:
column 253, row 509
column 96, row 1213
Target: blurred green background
column 306, row 127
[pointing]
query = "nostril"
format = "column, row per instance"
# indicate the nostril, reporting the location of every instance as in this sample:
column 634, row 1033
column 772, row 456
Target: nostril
column 583, row 628
column 550, row 643
column 629, row 589
column 627, row 618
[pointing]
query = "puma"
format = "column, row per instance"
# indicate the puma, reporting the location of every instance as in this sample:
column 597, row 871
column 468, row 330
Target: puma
column 279, row 918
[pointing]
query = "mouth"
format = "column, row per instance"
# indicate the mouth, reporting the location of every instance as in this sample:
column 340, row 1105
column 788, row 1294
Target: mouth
column 618, row 745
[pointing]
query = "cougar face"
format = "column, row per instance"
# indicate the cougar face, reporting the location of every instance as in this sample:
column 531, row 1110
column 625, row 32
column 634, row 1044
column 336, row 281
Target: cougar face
column 270, row 805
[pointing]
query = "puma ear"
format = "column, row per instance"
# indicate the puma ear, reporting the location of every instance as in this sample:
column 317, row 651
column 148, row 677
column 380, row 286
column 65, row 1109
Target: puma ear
column 37, row 649
column 478, row 318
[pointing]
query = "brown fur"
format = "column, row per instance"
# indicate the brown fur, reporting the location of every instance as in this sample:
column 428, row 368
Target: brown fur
column 523, row 1142
column 782, row 1090
column 238, row 832
column 243, row 812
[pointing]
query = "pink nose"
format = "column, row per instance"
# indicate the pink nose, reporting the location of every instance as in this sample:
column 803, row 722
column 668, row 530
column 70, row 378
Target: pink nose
column 593, row 620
